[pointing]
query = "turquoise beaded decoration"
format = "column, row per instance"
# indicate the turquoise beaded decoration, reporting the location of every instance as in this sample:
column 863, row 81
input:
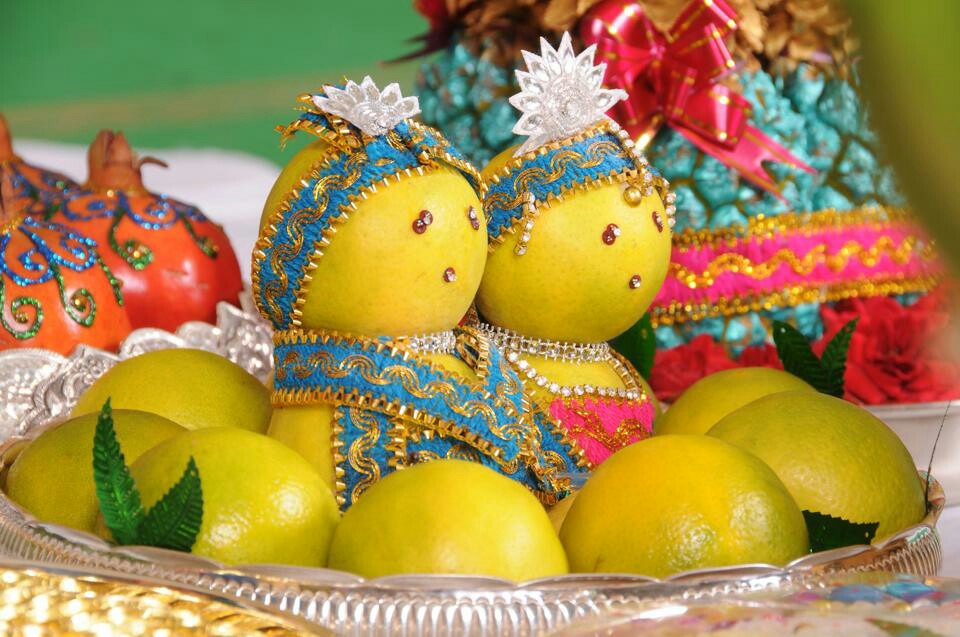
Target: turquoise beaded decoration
column 820, row 119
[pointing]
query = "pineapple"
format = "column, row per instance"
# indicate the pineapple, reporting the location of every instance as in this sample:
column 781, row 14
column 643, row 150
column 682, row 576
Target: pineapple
column 816, row 112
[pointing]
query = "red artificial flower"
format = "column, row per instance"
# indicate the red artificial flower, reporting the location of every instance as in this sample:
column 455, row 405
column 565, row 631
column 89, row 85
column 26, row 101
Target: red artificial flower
column 676, row 369
column 760, row 356
column 893, row 355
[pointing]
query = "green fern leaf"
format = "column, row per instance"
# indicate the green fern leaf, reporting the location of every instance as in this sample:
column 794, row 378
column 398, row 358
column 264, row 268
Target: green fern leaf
column 827, row 532
column 174, row 521
column 834, row 358
column 797, row 356
column 115, row 488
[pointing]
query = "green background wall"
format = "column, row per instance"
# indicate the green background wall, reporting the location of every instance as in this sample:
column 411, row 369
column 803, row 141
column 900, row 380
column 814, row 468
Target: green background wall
column 188, row 72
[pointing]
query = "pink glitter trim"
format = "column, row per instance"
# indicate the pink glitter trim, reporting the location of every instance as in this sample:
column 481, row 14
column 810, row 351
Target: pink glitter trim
column 802, row 256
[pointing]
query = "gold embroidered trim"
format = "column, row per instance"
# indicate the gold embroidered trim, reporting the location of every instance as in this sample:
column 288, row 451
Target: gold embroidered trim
column 679, row 313
column 767, row 227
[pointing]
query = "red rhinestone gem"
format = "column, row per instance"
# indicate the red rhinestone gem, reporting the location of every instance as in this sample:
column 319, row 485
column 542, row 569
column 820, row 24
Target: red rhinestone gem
column 474, row 219
column 420, row 223
column 610, row 234
column 449, row 275
column 635, row 281
column 657, row 219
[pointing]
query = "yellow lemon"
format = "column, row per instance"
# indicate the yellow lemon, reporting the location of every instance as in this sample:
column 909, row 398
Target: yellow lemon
column 262, row 502
column 408, row 260
column 191, row 387
column 714, row 396
column 834, row 457
column 558, row 512
column 308, row 430
column 447, row 516
column 571, row 285
column 53, row 477
column 674, row 503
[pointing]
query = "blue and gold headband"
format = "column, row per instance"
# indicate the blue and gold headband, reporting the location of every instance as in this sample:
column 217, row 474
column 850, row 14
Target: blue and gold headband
column 572, row 146
column 373, row 144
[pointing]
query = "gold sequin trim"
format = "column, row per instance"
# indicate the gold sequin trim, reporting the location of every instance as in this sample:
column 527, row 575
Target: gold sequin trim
column 678, row 313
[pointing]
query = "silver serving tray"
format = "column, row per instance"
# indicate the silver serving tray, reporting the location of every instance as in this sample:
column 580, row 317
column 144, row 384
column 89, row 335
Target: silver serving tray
column 38, row 388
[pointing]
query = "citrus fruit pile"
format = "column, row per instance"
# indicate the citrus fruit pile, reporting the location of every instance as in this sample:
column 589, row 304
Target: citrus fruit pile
column 755, row 452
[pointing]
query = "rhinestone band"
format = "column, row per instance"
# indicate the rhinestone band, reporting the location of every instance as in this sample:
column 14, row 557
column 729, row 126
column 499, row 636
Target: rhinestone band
column 436, row 343
column 528, row 372
column 650, row 183
column 510, row 341
column 513, row 345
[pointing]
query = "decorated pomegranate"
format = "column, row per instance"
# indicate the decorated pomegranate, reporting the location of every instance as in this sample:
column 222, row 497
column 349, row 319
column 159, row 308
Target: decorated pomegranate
column 55, row 291
column 41, row 191
column 175, row 264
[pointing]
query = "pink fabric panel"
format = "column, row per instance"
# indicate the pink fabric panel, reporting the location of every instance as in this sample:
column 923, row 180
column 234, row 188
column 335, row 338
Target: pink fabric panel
column 601, row 426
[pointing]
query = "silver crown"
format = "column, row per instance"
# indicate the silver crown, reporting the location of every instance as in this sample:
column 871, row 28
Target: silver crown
column 561, row 93
column 367, row 107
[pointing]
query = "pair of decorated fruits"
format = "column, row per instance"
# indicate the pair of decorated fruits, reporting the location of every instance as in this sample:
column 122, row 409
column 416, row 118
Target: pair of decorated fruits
column 371, row 253
column 86, row 264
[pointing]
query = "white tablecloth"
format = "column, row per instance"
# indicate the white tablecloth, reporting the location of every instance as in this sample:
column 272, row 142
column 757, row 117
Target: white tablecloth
column 231, row 188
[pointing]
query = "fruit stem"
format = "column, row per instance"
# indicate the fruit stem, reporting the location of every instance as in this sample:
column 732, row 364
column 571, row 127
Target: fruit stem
column 113, row 165
column 6, row 146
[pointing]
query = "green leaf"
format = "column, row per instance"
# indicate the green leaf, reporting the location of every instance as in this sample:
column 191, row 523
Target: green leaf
column 827, row 532
column 174, row 521
column 638, row 345
column 115, row 488
column 834, row 358
column 797, row 356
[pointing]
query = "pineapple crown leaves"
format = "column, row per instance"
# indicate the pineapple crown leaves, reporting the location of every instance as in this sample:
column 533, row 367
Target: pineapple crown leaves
column 828, row 532
column 825, row 374
column 172, row 523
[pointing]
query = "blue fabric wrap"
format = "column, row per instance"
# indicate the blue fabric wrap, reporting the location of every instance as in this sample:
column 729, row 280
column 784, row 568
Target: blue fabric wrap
column 296, row 373
column 377, row 452
column 551, row 444
column 308, row 219
column 590, row 159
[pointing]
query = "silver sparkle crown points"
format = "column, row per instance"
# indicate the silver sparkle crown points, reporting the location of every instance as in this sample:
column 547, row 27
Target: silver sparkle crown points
column 561, row 93
column 367, row 107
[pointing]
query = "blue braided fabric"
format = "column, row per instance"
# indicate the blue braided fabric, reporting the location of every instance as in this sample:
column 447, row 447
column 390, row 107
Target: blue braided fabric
column 553, row 173
column 313, row 211
column 462, row 417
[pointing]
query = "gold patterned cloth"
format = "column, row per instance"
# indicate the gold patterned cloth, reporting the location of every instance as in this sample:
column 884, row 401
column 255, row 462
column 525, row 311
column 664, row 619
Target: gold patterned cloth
column 42, row 601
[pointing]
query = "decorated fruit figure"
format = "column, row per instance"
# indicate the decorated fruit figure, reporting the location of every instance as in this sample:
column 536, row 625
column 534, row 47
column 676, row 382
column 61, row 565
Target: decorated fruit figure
column 55, row 291
column 175, row 264
column 579, row 229
column 371, row 250
column 39, row 190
